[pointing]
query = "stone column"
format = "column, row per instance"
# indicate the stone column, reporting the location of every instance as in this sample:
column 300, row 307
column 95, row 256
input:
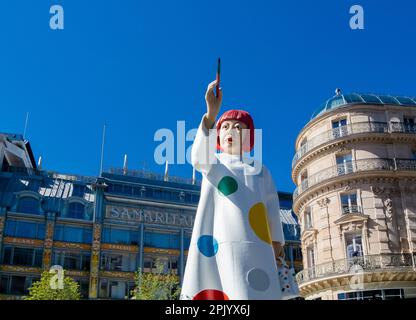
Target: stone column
column 99, row 187
column 141, row 254
column 48, row 243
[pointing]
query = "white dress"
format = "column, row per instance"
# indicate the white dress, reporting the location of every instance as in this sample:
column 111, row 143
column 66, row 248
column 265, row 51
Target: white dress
column 231, row 254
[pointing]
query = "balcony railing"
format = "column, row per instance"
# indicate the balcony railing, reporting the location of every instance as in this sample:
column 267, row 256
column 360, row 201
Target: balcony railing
column 354, row 128
column 151, row 176
column 351, row 209
column 352, row 167
column 396, row 262
column 335, row 133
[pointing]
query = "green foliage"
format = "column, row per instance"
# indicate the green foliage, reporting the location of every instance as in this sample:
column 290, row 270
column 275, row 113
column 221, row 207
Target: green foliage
column 158, row 285
column 42, row 289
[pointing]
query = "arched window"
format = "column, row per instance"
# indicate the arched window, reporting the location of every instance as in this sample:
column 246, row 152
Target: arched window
column 76, row 210
column 28, row 205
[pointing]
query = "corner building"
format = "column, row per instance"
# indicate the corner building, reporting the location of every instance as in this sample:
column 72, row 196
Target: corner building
column 355, row 172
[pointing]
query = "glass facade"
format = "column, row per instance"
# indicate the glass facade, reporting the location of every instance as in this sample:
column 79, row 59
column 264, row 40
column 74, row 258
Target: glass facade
column 72, row 234
column 72, row 260
column 122, row 236
column 28, row 205
column 162, row 240
column 24, row 229
column 20, row 256
column 119, row 261
column 124, row 242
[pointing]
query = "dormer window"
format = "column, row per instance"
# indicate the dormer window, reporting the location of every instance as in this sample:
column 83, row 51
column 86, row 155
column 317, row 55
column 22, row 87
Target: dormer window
column 28, row 205
column 76, row 210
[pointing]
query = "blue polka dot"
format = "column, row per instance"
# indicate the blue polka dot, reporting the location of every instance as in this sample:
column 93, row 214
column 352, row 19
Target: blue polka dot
column 208, row 245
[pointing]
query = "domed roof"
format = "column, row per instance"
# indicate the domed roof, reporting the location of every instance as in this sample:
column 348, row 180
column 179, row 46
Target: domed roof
column 341, row 100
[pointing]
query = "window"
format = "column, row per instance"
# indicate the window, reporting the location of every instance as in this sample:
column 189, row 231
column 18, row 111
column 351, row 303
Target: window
column 414, row 154
column 84, row 288
column 162, row 240
column 354, row 245
column 118, row 261
column 339, row 128
column 118, row 188
column 128, row 190
column 308, row 218
column 103, row 288
column 349, row 203
column 31, row 257
column 24, row 229
column 18, row 285
column 297, row 254
column 186, row 241
column 115, row 289
column 409, row 124
column 122, row 236
column 344, row 163
column 304, row 180
column 386, row 294
column 72, row 234
column 310, row 256
column 76, row 210
column 169, row 263
column 72, row 260
column 28, row 205
column 303, row 145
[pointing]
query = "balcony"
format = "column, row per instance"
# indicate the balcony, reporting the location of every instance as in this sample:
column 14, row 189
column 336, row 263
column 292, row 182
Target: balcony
column 354, row 209
column 336, row 133
column 351, row 167
column 351, row 129
column 372, row 263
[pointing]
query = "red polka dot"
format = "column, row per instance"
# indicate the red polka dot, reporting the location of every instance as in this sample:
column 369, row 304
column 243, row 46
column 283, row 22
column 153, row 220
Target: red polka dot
column 211, row 294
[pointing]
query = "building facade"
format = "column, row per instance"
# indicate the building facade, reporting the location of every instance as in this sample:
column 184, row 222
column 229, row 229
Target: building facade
column 101, row 229
column 355, row 172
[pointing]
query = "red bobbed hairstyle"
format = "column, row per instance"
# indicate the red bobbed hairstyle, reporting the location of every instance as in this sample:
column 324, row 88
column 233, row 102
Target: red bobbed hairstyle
column 239, row 115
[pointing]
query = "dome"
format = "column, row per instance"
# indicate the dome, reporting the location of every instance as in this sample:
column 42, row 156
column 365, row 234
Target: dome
column 342, row 100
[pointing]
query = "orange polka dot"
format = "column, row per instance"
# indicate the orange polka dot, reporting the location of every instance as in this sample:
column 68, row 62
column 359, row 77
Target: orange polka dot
column 259, row 222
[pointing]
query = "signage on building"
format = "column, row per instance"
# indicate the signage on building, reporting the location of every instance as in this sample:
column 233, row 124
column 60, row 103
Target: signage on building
column 149, row 216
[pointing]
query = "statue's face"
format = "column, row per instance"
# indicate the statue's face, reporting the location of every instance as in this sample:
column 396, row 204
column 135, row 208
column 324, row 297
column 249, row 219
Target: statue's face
column 232, row 132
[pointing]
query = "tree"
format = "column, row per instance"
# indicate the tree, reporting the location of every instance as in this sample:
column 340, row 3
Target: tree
column 159, row 285
column 44, row 290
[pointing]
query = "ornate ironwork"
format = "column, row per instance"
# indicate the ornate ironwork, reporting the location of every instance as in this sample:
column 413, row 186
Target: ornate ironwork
column 395, row 262
column 351, row 209
column 335, row 133
column 347, row 168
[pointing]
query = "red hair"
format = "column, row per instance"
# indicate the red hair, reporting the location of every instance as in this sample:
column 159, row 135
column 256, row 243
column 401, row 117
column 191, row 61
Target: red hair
column 239, row 115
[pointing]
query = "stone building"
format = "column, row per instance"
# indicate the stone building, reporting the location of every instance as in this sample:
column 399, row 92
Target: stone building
column 355, row 172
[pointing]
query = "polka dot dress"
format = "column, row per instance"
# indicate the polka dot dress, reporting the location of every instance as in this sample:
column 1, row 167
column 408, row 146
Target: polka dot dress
column 231, row 255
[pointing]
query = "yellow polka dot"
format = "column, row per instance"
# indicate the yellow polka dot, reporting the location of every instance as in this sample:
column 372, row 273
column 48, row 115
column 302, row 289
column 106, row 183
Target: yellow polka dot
column 259, row 222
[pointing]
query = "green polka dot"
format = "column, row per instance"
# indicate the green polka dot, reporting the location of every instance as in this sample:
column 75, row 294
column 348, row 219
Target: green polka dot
column 227, row 186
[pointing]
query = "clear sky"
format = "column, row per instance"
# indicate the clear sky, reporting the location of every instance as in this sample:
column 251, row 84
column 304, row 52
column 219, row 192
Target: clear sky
column 143, row 65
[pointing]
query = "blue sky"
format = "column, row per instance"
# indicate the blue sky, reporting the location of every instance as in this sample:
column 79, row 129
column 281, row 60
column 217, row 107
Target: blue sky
column 143, row 65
